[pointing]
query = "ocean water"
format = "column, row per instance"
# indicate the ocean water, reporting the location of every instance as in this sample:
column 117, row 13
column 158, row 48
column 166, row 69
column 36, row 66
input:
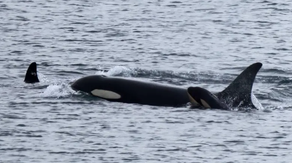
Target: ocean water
column 178, row 42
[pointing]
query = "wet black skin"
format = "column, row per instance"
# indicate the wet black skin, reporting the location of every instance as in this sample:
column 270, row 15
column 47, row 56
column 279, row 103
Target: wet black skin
column 134, row 91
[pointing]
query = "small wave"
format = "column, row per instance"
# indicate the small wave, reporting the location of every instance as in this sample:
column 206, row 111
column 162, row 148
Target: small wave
column 58, row 90
column 183, row 78
column 118, row 71
column 43, row 78
column 275, row 71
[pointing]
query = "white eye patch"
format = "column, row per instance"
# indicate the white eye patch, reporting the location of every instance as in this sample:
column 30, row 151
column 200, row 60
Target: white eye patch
column 106, row 94
column 205, row 104
column 193, row 101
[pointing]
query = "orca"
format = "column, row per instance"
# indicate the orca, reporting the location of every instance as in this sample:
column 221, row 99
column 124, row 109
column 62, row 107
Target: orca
column 237, row 94
column 31, row 75
column 200, row 97
column 126, row 90
column 131, row 91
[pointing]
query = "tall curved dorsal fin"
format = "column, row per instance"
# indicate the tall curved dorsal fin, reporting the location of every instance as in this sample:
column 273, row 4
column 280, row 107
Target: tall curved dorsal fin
column 31, row 74
column 238, row 93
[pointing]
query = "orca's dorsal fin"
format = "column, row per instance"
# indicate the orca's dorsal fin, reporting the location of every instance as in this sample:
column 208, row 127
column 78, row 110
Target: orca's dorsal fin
column 31, row 74
column 238, row 93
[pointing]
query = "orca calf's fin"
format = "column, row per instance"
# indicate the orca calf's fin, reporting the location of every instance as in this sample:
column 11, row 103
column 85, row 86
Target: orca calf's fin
column 31, row 74
column 238, row 93
column 202, row 97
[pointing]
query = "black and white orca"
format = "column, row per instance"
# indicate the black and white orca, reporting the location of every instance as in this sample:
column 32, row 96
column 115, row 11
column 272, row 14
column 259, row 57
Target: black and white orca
column 117, row 89
column 200, row 97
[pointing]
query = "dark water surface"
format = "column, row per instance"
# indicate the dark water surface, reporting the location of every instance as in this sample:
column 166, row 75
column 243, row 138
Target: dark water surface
column 185, row 43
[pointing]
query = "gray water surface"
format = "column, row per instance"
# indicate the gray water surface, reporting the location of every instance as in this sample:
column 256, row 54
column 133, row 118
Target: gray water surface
column 184, row 43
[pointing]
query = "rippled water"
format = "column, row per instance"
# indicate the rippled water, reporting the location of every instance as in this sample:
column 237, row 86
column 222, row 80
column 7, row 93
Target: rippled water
column 185, row 43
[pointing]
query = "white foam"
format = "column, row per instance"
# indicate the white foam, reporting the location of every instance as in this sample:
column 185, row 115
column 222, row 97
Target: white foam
column 43, row 78
column 57, row 90
column 120, row 70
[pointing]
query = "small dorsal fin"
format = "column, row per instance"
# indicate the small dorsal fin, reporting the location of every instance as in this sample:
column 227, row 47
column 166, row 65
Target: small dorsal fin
column 238, row 93
column 31, row 74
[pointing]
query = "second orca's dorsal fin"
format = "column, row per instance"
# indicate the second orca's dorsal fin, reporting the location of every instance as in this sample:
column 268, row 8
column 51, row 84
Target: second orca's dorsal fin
column 238, row 93
column 31, row 75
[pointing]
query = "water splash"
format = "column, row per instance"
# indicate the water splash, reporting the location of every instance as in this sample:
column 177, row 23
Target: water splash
column 118, row 71
column 58, row 90
column 43, row 78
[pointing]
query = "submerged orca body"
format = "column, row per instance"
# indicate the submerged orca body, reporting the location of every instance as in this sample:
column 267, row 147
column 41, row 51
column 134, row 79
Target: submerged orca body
column 237, row 94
